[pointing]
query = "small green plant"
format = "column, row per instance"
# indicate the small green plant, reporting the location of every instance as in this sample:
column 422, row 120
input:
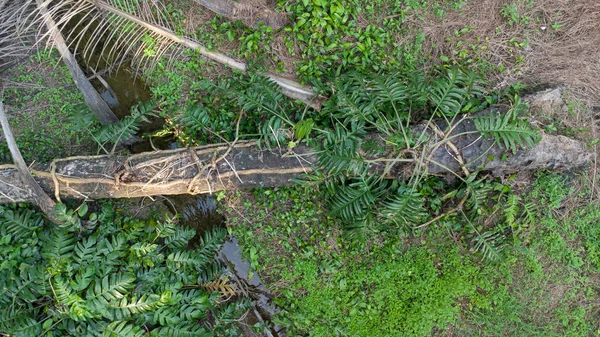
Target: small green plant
column 108, row 275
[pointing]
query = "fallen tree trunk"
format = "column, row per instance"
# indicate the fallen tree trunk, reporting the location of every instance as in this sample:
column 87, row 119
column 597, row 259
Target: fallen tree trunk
column 212, row 168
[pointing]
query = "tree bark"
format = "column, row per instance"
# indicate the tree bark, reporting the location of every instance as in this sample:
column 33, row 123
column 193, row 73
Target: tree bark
column 98, row 106
column 212, row 168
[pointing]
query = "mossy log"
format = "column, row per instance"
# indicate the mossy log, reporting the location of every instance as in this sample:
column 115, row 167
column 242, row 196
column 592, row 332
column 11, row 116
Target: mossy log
column 211, row 168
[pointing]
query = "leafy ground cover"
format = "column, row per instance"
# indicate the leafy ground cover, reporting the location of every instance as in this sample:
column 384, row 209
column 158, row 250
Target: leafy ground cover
column 430, row 281
column 40, row 99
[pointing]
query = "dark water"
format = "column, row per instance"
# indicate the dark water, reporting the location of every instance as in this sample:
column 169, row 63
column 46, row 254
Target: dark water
column 125, row 88
column 200, row 212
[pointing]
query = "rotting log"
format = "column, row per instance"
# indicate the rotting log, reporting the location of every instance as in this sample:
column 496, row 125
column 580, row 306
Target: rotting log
column 217, row 167
column 249, row 14
column 96, row 104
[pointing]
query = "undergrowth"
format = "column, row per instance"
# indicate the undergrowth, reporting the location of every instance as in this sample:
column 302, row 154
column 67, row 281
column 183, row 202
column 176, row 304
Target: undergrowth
column 41, row 92
column 109, row 275
column 430, row 280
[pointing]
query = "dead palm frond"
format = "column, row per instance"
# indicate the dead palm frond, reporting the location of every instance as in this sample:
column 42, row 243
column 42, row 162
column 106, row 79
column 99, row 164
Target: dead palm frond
column 15, row 43
column 121, row 28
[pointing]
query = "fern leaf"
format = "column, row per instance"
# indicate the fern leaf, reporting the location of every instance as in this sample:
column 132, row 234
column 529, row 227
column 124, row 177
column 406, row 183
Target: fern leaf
column 405, row 207
column 196, row 117
column 179, row 237
column 181, row 330
column 141, row 249
column 511, row 209
column 303, row 128
column 221, row 285
column 122, row 329
column 490, row 244
column 508, row 131
column 211, row 272
column 85, row 251
column 530, row 213
column 210, row 242
column 110, row 288
column 183, row 259
column 59, row 244
column 125, row 308
column 344, row 160
column 83, row 278
column 20, row 223
column 351, row 202
column 446, row 93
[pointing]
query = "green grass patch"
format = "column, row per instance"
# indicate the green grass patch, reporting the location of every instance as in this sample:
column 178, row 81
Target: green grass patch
column 424, row 283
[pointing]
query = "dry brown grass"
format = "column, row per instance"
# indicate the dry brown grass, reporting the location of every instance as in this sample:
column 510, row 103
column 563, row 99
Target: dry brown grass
column 568, row 55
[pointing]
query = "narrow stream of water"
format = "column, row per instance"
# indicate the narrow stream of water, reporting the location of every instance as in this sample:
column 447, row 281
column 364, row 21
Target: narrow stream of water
column 200, row 213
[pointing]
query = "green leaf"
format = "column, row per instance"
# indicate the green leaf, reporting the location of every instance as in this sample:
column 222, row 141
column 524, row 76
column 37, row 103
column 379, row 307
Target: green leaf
column 508, row 131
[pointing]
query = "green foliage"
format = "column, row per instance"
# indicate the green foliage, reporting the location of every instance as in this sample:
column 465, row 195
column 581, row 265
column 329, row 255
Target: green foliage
column 539, row 279
column 123, row 131
column 509, row 130
column 114, row 277
column 40, row 99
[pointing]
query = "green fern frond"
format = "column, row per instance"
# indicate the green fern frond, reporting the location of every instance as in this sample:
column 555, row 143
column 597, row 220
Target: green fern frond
column 181, row 330
column 389, row 89
column 183, row 259
column 122, row 329
column 125, row 308
column 273, row 133
column 85, row 251
column 19, row 224
column 405, row 207
column 530, row 213
column 303, row 128
column 110, row 288
column 342, row 160
column 83, row 278
column 59, row 244
column 490, row 244
column 508, row 131
column 195, row 117
column 179, row 237
column 352, row 201
column 20, row 322
column 141, row 249
column 211, row 272
column 511, row 210
column 478, row 193
column 447, row 94
column 211, row 241
column 359, row 229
